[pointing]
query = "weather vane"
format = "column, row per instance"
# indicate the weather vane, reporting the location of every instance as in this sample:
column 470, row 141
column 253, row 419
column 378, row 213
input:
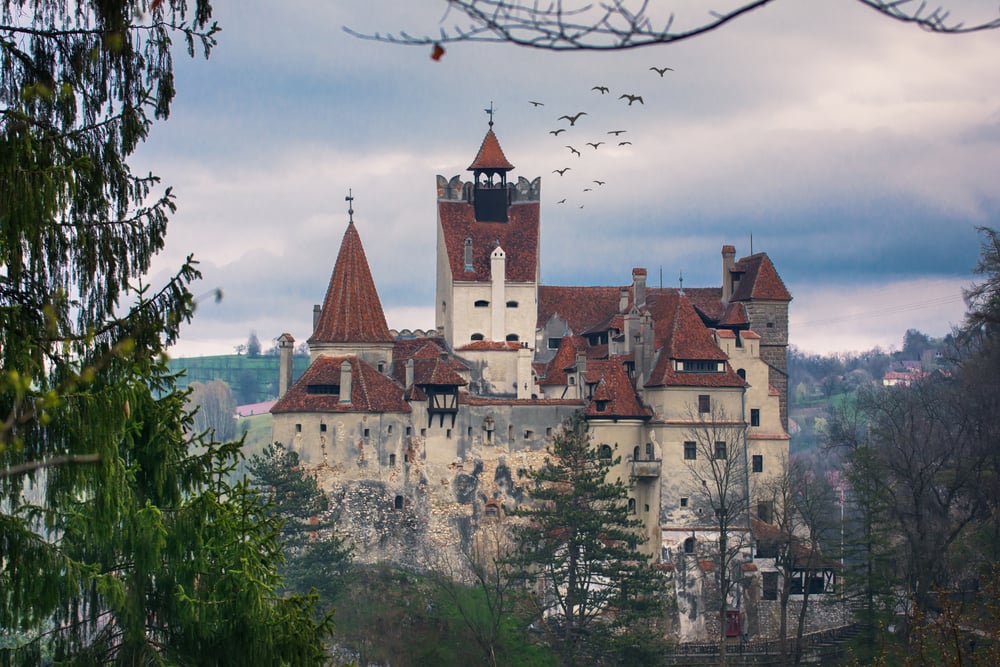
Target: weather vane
column 680, row 279
column 350, row 206
column 490, row 112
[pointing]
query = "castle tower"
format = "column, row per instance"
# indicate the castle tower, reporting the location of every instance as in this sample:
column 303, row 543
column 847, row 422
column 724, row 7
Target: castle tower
column 488, row 253
column 351, row 321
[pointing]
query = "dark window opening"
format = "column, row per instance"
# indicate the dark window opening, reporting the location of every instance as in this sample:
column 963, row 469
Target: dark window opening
column 754, row 416
column 298, row 428
column 742, row 372
column 684, row 501
column 399, row 502
column 323, row 389
column 689, row 545
column 700, row 366
column 477, row 336
column 512, row 304
column 690, row 451
column 720, row 450
column 631, row 505
column 770, row 586
column 554, row 343
column 704, row 403
column 481, row 303
column 605, row 452
column 392, row 459
column 322, row 428
column 513, row 338
column 758, row 463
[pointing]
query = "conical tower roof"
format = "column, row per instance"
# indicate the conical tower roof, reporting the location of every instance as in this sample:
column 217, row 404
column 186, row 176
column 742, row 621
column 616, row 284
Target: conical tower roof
column 490, row 155
column 352, row 311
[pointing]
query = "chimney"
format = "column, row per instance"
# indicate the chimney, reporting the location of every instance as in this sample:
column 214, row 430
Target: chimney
column 409, row 373
column 728, row 260
column 317, row 313
column 623, row 300
column 639, row 287
column 345, row 381
column 286, row 346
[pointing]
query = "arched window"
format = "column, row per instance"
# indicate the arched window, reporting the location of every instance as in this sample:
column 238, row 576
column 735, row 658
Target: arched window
column 477, row 336
column 604, row 452
column 512, row 338
column 742, row 372
column 399, row 502
column 481, row 303
column 631, row 505
column 689, row 545
column 635, row 453
column 512, row 304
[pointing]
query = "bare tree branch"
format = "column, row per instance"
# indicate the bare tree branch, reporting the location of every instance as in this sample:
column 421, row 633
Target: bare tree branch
column 615, row 25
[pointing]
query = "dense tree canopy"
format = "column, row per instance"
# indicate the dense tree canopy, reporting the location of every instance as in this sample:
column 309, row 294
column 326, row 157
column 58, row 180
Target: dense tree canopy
column 121, row 542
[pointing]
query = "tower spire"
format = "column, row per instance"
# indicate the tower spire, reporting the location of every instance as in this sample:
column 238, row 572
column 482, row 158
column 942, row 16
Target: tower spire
column 350, row 206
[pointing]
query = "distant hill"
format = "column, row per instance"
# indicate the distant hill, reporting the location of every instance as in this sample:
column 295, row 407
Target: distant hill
column 251, row 379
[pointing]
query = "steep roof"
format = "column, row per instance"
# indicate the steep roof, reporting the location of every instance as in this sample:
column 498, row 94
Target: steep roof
column 759, row 280
column 352, row 311
column 371, row 391
column 614, row 392
column 518, row 237
column 490, row 155
column 684, row 336
column 565, row 357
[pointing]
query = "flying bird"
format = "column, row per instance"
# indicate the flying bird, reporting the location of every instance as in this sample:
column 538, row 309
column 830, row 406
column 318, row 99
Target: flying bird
column 537, row 104
column 587, row 189
column 574, row 150
column 600, row 182
column 632, row 98
column 556, row 132
column 602, row 89
column 572, row 119
column 624, row 143
column 616, row 132
column 561, row 201
column 560, row 171
column 595, row 145
column 661, row 70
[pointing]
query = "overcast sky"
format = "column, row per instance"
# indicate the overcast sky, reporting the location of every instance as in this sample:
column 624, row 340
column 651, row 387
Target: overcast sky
column 859, row 153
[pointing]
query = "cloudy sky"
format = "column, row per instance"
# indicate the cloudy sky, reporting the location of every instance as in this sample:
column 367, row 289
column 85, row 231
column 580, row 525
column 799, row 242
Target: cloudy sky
column 859, row 153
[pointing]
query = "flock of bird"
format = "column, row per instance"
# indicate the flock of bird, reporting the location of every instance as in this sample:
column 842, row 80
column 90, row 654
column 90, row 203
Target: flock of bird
column 572, row 118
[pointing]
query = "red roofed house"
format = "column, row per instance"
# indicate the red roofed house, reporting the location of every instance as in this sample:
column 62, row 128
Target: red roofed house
column 419, row 438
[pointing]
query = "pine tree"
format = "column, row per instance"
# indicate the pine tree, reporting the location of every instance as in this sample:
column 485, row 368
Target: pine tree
column 121, row 541
column 596, row 595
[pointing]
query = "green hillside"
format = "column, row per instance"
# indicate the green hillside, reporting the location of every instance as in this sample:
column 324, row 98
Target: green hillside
column 252, row 379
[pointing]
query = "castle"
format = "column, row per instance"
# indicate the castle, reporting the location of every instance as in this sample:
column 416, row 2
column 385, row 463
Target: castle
column 420, row 438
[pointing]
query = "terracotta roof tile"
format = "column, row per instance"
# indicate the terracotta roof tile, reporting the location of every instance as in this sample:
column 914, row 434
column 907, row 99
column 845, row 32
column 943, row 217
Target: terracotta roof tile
column 518, row 237
column 490, row 155
column 490, row 345
column 615, row 392
column 352, row 311
column 759, row 280
column 555, row 370
column 370, row 390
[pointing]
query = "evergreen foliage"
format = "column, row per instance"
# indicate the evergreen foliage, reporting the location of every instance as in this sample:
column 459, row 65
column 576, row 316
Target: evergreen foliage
column 596, row 596
column 121, row 542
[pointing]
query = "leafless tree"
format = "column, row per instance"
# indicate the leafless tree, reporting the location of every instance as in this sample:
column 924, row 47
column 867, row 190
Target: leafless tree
column 573, row 25
column 719, row 476
column 484, row 563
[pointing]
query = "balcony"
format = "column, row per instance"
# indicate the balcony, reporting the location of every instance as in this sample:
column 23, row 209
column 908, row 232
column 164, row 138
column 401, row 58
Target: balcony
column 647, row 469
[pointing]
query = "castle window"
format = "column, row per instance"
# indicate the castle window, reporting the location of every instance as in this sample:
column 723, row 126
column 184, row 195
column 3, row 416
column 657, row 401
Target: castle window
column 684, row 501
column 423, row 433
column 704, row 403
column 399, row 502
column 689, row 545
column 510, row 432
column 512, row 304
column 381, row 367
column 755, row 416
column 605, row 452
column 468, row 254
column 512, row 338
column 325, row 389
column 406, row 458
column 646, row 507
column 720, row 450
column 482, row 303
column 690, row 451
column 322, row 428
column 758, row 463
column 470, row 432
column 367, row 433
column 553, row 343
column 770, row 325
column 388, row 429
column 477, row 336
column 764, row 510
column 548, row 432
column 701, row 366
column 528, row 435
column 491, row 511
column 409, row 430
column 631, row 505
column 770, row 586
column 392, row 459
column 447, row 434
column 298, row 428
column 742, row 373
column 572, row 380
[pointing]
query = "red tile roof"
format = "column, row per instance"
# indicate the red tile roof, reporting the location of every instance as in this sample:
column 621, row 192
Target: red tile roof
column 352, row 311
column 490, row 155
column 555, row 370
column 518, row 237
column 759, row 280
column 615, row 390
column 370, row 390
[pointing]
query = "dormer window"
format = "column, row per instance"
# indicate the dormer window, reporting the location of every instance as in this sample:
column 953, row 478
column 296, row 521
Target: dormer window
column 701, row 366
column 325, row 389
column 468, row 254
column 601, row 405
